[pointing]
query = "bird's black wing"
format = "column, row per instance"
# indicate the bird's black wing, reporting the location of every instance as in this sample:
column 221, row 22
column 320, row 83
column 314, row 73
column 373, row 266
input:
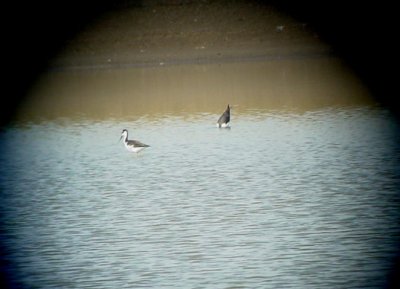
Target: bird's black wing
column 224, row 118
column 137, row 143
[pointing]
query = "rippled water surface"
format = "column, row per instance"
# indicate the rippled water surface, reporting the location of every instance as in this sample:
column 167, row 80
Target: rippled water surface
column 280, row 200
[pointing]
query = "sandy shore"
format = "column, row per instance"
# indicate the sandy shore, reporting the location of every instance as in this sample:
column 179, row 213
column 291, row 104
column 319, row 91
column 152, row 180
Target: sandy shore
column 236, row 44
column 172, row 32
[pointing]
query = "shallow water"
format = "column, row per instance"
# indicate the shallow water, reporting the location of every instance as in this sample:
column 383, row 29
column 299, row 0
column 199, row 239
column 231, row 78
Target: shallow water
column 301, row 83
column 281, row 200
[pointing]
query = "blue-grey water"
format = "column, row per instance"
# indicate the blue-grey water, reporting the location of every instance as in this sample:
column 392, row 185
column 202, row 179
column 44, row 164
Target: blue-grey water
column 281, row 200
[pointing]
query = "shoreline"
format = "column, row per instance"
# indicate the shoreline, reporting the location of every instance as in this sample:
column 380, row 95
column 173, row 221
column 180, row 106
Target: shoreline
column 159, row 61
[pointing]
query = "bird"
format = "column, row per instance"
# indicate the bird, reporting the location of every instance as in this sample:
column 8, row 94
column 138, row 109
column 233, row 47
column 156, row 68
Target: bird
column 224, row 118
column 132, row 145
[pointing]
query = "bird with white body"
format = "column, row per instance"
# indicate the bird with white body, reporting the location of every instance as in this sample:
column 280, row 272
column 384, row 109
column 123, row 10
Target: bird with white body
column 134, row 146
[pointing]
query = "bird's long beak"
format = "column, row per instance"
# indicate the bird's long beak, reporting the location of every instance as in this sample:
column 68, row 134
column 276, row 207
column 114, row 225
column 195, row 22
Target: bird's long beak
column 120, row 138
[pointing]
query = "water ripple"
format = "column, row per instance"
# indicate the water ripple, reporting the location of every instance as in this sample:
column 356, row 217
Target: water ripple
column 280, row 200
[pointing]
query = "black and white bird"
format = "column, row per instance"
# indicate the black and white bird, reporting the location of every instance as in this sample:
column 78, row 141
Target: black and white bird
column 132, row 145
column 224, row 118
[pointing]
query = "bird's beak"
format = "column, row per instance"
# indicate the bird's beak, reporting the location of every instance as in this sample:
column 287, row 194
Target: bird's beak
column 120, row 138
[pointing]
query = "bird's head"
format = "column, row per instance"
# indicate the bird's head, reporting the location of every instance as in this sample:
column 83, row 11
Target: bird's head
column 124, row 134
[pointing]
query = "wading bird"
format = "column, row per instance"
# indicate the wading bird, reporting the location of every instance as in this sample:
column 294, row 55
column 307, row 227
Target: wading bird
column 225, row 118
column 132, row 145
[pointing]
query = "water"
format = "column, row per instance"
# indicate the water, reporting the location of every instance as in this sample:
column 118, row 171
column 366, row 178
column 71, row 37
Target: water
column 289, row 83
column 283, row 199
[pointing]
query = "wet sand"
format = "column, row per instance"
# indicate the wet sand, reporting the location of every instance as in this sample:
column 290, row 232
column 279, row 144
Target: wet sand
column 162, row 33
column 192, row 57
column 176, row 32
